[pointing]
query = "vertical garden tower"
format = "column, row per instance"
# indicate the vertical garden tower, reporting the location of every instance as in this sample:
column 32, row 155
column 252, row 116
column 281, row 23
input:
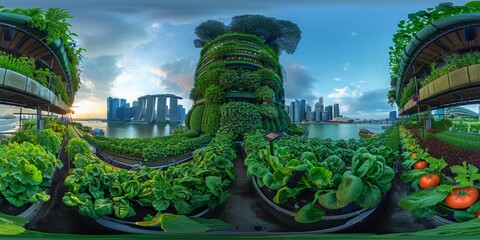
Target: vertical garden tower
column 239, row 80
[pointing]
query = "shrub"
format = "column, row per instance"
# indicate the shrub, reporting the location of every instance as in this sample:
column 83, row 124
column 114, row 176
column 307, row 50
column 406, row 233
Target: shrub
column 49, row 140
column 188, row 117
column 264, row 94
column 250, row 81
column 268, row 111
column 211, row 118
column 196, row 118
column 76, row 146
column 25, row 136
column 239, row 118
column 214, row 94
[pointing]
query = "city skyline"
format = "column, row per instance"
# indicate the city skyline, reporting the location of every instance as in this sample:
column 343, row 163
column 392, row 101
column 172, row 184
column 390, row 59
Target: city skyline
column 346, row 62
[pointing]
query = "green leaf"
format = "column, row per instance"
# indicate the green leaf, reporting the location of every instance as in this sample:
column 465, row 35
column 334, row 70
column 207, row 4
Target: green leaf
column 13, row 219
column 213, row 224
column 329, row 200
column 309, row 156
column 350, row 188
column 309, row 214
column 320, row 176
column 123, row 209
column 214, row 184
column 424, row 212
column 103, row 206
column 422, row 199
column 161, row 204
column 467, row 174
column 412, row 175
column 462, row 216
column 180, row 224
column 370, row 196
column 182, row 207
column 283, row 194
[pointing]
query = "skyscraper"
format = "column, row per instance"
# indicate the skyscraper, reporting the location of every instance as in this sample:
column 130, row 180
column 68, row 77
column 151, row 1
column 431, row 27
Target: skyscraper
column 291, row 113
column 329, row 110
column 393, row 115
column 336, row 110
column 112, row 105
column 297, row 115
column 319, row 109
column 308, row 113
column 303, row 110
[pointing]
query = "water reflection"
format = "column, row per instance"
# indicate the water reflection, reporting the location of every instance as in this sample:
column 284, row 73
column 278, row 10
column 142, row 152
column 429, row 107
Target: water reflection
column 129, row 130
column 339, row 131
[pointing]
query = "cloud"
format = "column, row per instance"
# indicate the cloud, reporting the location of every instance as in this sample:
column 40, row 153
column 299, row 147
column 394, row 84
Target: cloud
column 368, row 104
column 347, row 67
column 97, row 77
column 112, row 34
column 177, row 76
column 299, row 82
column 337, row 79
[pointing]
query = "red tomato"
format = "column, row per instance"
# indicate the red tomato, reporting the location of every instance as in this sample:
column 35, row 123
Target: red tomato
column 419, row 165
column 461, row 197
column 477, row 214
column 414, row 155
column 429, row 180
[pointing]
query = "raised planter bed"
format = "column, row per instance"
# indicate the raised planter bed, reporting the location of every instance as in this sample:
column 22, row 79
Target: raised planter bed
column 339, row 220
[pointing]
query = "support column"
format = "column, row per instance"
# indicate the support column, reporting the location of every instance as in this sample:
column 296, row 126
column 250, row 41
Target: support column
column 150, row 108
column 39, row 119
column 162, row 109
column 140, row 107
column 428, row 122
column 173, row 110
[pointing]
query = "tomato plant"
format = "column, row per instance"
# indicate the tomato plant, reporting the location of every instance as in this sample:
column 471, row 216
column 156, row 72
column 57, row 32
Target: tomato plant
column 461, row 197
column 420, row 165
column 429, row 180
column 414, row 155
column 477, row 214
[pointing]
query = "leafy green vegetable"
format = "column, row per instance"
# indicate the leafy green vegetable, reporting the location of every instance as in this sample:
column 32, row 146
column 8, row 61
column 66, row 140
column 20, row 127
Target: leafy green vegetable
column 422, row 199
column 309, row 214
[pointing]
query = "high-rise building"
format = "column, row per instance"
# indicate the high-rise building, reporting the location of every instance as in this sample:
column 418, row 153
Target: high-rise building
column 181, row 113
column 308, row 113
column 319, row 109
column 302, row 110
column 112, row 105
column 287, row 109
column 298, row 110
column 123, row 102
column 291, row 114
column 135, row 104
column 325, row 116
column 336, row 110
column 393, row 115
column 329, row 110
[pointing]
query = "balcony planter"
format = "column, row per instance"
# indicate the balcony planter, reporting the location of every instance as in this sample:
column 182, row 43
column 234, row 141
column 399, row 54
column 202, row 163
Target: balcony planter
column 431, row 89
column 414, row 97
column 424, row 94
column 441, row 84
column 15, row 81
column 2, row 76
column 33, row 87
column 474, row 73
column 459, row 78
column 334, row 220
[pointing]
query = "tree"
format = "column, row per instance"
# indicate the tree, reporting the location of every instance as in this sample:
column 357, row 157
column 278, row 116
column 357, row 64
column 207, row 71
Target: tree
column 208, row 31
column 281, row 35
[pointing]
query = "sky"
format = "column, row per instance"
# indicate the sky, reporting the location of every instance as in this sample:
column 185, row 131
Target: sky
column 141, row 47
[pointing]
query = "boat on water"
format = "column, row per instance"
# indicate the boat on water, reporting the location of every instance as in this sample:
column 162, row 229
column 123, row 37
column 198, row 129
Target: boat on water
column 363, row 132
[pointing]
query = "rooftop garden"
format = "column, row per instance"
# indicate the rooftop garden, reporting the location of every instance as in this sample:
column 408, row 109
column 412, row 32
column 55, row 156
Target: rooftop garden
column 52, row 26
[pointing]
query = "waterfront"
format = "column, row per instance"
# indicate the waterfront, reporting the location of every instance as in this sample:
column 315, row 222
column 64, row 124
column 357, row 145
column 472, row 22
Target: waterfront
column 337, row 131
column 129, row 130
column 8, row 125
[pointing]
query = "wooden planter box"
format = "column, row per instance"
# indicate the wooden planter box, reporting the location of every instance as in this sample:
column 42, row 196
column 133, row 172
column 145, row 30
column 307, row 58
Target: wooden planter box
column 441, row 84
column 459, row 78
column 431, row 89
column 424, row 93
column 474, row 73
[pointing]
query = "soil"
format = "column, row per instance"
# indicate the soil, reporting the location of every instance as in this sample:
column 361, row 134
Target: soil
column 453, row 155
column 6, row 207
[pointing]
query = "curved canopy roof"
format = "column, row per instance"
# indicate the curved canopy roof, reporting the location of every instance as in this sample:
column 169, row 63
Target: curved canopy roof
column 432, row 43
column 17, row 36
column 456, row 34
